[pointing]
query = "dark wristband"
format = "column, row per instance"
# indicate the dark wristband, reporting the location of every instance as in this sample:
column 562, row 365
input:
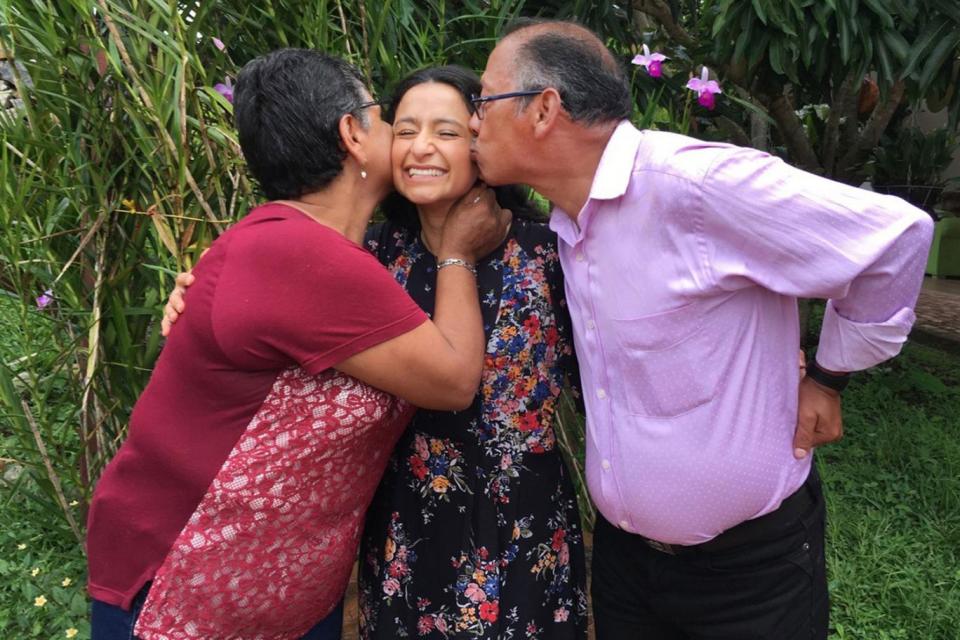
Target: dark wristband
column 829, row 380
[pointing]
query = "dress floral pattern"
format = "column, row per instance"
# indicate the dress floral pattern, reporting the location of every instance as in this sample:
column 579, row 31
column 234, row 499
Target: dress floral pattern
column 474, row 531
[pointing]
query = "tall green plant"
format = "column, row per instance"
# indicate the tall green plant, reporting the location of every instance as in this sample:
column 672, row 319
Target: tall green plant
column 120, row 167
column 911, row 165
column 123, row 165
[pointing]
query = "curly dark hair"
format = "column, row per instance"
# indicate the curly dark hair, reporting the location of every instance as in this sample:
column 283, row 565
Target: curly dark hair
column 401, row 211
column 287, row 106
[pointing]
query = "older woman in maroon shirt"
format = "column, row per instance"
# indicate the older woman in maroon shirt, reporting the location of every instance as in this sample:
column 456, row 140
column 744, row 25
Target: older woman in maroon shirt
column 233, row 510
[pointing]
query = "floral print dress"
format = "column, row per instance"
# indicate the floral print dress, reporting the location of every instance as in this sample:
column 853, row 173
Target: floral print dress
column 474, row 531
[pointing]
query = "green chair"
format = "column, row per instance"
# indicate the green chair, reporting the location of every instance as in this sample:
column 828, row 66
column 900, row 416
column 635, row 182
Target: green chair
column 944, row 257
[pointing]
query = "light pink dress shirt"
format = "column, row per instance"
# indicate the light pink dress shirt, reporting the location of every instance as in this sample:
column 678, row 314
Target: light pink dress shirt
column 682, row 276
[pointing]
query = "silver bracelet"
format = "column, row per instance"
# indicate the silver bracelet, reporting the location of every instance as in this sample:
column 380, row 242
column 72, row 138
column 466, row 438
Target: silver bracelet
column 449, row 262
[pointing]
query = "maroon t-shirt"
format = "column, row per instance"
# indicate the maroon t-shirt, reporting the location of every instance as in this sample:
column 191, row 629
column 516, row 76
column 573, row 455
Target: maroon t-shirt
column 276, row 290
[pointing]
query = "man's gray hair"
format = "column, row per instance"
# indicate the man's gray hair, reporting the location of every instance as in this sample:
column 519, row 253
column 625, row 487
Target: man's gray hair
column 571, row 59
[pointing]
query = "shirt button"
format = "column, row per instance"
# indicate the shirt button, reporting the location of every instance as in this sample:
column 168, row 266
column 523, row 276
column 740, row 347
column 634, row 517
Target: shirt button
column 623, row 524
column 605, row 464
column 590, row 325
column 579, row 256
column 601, row 394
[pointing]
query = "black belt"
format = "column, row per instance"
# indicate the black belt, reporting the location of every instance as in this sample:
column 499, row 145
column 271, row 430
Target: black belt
column 766, row 526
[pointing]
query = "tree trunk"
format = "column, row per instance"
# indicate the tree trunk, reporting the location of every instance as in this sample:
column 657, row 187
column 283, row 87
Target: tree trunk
column 733, row 131
column 660, row 10
column 842, row 104
column 874, row 128
column 759, row 132
column 798, row 145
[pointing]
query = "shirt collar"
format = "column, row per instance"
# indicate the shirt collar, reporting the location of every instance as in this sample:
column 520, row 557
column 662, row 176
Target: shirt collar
column 616, row 164
column 610, row 180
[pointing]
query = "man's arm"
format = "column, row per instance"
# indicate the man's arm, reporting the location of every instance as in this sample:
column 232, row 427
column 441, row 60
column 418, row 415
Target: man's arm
column 766, row 223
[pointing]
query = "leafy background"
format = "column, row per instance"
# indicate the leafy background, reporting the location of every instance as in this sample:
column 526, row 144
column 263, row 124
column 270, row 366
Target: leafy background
column 119, row 165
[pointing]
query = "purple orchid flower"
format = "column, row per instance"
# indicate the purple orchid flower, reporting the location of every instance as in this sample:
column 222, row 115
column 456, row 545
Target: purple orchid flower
column 706, row 89
column 652, row 62
column 44, row 300
column 226, row 90
column 218, row 43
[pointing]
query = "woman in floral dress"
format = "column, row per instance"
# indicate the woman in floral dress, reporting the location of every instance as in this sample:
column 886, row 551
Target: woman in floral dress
column 474, row 531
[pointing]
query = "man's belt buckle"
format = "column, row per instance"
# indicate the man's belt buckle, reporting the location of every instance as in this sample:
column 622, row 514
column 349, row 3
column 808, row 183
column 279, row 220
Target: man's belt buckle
column 662, row 547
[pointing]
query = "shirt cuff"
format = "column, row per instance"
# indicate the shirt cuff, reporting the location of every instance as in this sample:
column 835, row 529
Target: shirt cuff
column 846, row 345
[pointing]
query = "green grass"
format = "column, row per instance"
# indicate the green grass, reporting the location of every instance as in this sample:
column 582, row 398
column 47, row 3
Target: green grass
column 42, row 569
column 39, row 559
column 893, row 496
column 893, row 493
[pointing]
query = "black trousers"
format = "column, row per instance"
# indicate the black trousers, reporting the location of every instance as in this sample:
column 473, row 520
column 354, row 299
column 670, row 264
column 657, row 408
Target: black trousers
column 771, row 585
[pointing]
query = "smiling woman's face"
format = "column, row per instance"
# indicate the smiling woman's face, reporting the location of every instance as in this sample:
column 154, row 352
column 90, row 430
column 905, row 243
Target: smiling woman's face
column 431, row 145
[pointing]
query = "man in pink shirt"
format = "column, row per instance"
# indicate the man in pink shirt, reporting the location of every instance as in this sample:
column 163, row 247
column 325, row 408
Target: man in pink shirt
column 683, row 262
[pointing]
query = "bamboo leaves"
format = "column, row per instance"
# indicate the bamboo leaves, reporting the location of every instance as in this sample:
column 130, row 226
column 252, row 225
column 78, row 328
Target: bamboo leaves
column 123, row 165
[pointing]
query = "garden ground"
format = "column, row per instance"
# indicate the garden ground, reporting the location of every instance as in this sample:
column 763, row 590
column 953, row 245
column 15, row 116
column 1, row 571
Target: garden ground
column 893, row 494
column 938, row 310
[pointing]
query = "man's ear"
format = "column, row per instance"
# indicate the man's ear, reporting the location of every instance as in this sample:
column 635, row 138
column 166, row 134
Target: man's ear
column 353, row 137
column 545, row 110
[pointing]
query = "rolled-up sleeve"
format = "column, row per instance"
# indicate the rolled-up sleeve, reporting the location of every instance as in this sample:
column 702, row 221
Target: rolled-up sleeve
column 871, row 323
column 769, row 224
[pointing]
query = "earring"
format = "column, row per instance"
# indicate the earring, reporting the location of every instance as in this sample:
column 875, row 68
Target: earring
column 363, row 173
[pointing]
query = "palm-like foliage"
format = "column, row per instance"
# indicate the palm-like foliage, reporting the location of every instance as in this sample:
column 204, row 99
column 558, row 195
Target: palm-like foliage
column 784, row 54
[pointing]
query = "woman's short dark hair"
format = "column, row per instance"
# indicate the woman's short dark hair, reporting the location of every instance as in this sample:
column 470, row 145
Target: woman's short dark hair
column 401, row 211
column 287, row 106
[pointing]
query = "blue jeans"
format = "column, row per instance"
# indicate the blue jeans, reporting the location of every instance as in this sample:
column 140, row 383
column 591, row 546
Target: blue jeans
column 109, row 622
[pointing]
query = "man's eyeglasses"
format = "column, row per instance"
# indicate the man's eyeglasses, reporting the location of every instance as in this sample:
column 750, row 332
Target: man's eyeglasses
column 367, row 105
column 480, row 102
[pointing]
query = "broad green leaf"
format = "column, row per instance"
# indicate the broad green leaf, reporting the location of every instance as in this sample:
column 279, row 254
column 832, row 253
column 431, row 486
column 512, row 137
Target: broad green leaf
column 934, row 33
column 882, row 10
column 886, row 67
column 758, row 7
column 776, row 58
column 897, row 44
column 939, row 55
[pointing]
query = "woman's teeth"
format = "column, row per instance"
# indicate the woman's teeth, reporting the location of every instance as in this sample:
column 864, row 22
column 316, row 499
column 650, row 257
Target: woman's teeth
column 425, row 172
